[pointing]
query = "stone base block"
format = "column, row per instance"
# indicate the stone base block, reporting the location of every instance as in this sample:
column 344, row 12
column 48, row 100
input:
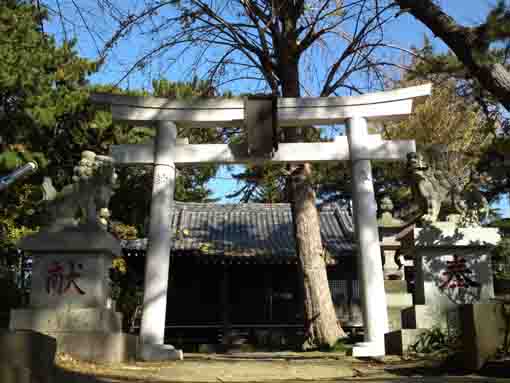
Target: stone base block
column 97, row 347
column 399, row 300
column 395, row 286
column 9, row 374
column 76, row 319
column 368, row 349
column 159, row 352
column 27, row 356
column 398, row 342
column 394, row 318
column 423, row 316
column 483, row 331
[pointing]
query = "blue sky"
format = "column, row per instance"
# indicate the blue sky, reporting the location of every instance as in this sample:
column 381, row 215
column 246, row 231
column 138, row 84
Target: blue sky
column 404, row 32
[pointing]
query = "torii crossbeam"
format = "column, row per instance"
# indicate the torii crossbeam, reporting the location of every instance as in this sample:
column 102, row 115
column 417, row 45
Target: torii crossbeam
column 358, row 147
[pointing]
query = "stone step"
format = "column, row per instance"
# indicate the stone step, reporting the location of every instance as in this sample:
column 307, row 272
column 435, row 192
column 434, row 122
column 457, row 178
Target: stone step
column 26, row 356
column 78, row 319
column 394, row 300
column 92, row 346
column 395, row 286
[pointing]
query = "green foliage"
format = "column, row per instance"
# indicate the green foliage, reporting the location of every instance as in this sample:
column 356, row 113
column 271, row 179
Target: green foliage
column 492, row 44
column 42, row 96
column 503, row 224
column 342, row 345
column 496, row 28
column 495, row 164
column 261, row 184
column 267, row 184
column 501, row 259
column 123, row 231
column 125, row 290
column 445, row 68
column 16, row 156
column 41, row 84
column 434, row 340
column 449, row 121
column 16, row 215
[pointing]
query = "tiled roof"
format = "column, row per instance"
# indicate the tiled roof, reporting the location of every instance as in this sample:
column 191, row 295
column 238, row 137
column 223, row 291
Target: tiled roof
column 249, row 230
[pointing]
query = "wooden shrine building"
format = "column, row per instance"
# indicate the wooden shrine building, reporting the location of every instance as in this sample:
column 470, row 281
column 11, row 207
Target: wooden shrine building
column 235, row 267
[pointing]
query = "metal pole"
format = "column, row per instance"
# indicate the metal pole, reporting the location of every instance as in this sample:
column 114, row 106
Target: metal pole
column 17, row 174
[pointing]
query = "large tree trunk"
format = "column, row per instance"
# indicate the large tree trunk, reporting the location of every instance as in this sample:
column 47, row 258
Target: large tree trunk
column 465, row 43
column 322, row 327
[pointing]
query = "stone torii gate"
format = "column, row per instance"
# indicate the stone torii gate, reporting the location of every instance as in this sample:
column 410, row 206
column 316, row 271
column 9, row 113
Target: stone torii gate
column 260, row 118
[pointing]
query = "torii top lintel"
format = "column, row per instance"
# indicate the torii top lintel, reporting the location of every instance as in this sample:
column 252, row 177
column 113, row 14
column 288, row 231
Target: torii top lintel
column 290, row 111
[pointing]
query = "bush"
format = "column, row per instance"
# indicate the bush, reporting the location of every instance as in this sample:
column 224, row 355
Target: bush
column 501, row 259
column 434, row 340
column 341, row 345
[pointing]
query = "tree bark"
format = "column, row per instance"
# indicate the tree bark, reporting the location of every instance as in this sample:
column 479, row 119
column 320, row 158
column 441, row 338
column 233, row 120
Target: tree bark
column 321, row 325
column 465, row 43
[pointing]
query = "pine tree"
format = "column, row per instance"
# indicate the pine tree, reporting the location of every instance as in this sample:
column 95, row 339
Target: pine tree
column 482, row 49
column 41, row 85
column 41, row 90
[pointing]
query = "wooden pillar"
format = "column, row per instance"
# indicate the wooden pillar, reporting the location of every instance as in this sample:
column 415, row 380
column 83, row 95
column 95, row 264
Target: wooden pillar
column 225, row 301
column 267, row 278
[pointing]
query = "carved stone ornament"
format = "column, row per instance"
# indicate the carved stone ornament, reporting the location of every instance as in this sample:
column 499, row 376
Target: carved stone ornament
column 442, row 193
column 387, row 219
column 85, row 201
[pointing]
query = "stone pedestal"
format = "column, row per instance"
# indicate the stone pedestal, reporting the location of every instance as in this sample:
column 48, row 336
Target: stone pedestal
column 397, row 299
column 453, row 268
column 70, row 295
column 483, row 331
column 453, row 265
column 389, row 228
column 26, row 357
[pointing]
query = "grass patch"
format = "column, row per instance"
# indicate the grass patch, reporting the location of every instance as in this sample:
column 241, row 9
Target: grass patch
column 342, row 345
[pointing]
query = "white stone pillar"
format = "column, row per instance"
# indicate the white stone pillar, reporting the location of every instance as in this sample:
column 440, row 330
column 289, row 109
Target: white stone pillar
column 157, row 261
column 370, row 271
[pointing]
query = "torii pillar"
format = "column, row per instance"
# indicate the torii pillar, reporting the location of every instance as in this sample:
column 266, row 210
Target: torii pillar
column 370, row 270
column 157, row 261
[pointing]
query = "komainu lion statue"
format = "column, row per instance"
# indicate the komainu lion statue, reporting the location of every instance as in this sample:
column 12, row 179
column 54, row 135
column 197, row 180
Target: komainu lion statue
column 85, row 201
column 440, row 193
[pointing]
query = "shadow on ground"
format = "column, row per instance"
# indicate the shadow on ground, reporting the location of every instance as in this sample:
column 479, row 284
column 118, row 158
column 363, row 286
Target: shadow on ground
column 496, row 371
column 64, row 376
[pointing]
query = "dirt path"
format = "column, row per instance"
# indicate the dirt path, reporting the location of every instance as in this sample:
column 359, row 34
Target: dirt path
column 269, row 367
column 218, row 368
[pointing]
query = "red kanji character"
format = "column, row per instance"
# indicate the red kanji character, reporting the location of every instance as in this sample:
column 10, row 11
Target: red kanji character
column 55, row 278
column 457, row 274
column 72, row 277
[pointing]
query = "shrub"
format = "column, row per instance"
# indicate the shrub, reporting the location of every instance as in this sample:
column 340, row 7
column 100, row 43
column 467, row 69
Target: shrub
column 501, row 259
